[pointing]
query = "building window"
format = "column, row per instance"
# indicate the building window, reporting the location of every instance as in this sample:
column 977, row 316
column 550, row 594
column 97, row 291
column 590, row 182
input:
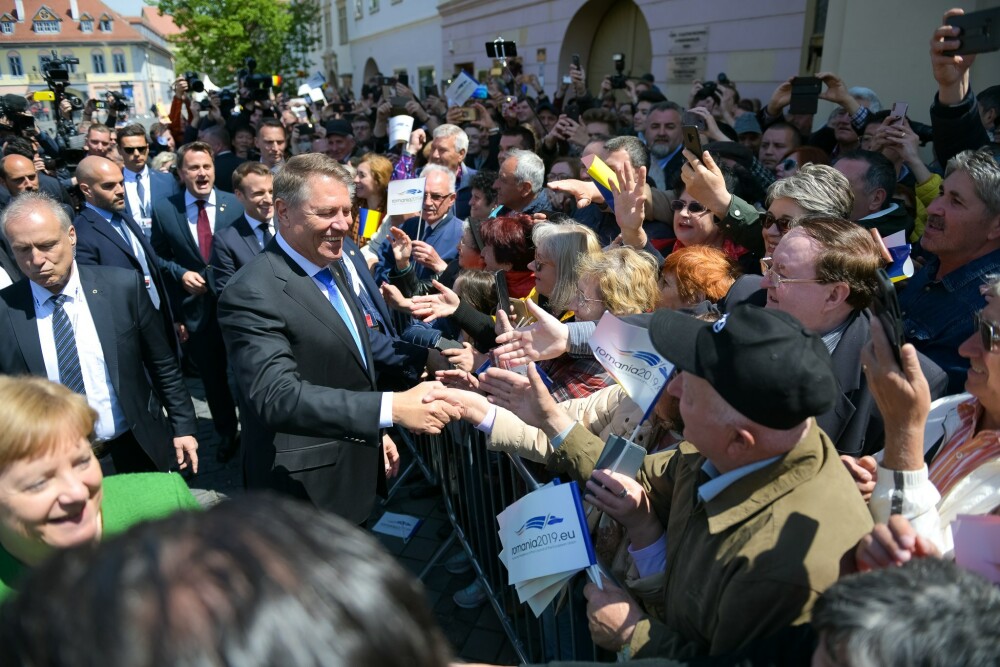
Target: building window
column 97, row 59
column 118, row 63
column 7, row 27
column 373, row 6
column 87, row 25
column 105, row 25
column 45, row 26
column 71, row 66
column 342, row 23
column 14, row 64
column 359, row 9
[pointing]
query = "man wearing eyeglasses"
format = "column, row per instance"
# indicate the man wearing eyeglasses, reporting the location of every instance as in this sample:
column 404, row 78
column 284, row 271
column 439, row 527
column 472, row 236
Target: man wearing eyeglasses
column 433, row 236
column 823, row 273
column 143, row 186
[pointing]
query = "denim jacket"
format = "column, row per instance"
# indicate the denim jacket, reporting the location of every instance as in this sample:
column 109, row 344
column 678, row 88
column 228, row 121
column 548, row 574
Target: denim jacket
column 937, row 314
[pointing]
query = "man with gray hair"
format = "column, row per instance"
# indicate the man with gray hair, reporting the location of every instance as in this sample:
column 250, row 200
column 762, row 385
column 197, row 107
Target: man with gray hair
column 520, row 185
column 963, row 236
column 430, row 240
column 307, row 364
column 94, row 330
column 449, row 146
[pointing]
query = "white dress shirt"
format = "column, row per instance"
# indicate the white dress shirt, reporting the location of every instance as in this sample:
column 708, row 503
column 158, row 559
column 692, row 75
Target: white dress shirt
column 137, row 206
column 310, row 269
column 191, row 212
column 257, row 231
column 101, row 396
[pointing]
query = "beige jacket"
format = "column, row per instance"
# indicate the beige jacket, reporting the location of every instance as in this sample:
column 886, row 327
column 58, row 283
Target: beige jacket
column 606, row 412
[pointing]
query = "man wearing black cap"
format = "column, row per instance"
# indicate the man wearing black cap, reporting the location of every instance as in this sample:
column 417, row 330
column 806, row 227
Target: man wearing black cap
column 752, row 513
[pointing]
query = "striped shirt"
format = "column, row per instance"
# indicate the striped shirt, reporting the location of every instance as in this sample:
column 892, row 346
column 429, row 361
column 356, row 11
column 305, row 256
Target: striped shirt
column 965, row 450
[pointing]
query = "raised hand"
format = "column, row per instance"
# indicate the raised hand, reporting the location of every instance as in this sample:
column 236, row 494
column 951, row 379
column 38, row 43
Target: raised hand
column 547, row 338
column 429, row 307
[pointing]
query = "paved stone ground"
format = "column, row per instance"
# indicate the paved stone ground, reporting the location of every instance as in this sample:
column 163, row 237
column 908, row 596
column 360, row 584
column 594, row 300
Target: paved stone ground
column 475, row 634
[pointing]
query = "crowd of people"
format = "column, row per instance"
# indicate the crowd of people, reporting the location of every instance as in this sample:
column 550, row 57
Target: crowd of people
column 804, row 471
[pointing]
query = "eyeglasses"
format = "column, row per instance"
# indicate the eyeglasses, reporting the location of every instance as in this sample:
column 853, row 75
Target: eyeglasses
column 989, row 332
column 437, row 198
column 784, row 223
column 767, row 270
column 134, row 149
column 582, row 298
column 788, row 164
column 556, row 177
column 693, row 207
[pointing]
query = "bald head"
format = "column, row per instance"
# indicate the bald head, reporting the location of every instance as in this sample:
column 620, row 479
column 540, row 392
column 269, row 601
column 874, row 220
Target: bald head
column 101, row 183
column 18, row 174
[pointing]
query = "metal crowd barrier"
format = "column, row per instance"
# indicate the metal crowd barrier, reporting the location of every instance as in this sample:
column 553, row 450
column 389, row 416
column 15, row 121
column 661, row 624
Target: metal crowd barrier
column 476, row 485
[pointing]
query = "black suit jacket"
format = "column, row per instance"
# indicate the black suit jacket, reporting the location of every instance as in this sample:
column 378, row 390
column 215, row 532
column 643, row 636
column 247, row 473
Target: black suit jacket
column 233, row 248
column 311, row 423
column 143, row 370
column 178, row 253
column 225, row 165
column 100, row 244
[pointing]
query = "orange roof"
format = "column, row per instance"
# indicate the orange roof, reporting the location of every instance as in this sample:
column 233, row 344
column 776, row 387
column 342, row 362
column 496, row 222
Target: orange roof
column 69, row 29
column 161, row 24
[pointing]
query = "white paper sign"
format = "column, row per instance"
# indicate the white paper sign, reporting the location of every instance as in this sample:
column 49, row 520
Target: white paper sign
column 626, row 351
column 400, row 128
column 397, row 525
column 461, row 89
column 545, row 533
column 405, row 196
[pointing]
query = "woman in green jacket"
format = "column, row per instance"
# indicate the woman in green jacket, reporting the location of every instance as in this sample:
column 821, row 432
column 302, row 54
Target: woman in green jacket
column 52, row 492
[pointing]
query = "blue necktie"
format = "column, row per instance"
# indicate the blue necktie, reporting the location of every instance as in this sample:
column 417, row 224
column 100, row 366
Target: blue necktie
column 118, row 223
column 67, row 358
column 340, row 305
column 367, row 305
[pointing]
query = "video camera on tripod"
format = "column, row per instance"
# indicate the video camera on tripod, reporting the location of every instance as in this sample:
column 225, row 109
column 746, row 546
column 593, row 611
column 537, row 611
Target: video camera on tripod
column 55, row 71
column 259, row 85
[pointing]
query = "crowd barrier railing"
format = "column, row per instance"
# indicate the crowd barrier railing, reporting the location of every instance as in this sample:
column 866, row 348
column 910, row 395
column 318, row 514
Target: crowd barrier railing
column 476, row 485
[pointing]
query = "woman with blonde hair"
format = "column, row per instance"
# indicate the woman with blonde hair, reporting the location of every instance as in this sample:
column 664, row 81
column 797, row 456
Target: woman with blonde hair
column 621, row 281
column 371, row 184
column 53, row 494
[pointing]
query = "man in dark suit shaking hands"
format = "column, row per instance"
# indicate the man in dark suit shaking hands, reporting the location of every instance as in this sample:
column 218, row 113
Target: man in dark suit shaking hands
column 94, row 330
column 183, row 230
column 304, row 360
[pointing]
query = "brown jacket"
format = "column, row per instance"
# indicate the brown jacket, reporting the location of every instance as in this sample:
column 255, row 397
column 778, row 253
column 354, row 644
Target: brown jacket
column 750, row 561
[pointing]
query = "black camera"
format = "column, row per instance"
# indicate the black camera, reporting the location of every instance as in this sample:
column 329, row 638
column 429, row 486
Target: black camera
column 195, row 84
column 618, row 79
column 259, row 85
column 120, row 101
column 14, row 109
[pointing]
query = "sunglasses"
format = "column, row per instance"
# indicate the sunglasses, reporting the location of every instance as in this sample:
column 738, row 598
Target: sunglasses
column 692, row 207
column 989, row 332
column 784, row 224
column 788, row 164
column 134, row 149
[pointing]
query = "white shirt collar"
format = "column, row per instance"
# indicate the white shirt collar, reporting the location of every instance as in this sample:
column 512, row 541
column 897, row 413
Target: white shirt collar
column 72, row 288
column 190, row 199
column 304, row 264
column 134, row 175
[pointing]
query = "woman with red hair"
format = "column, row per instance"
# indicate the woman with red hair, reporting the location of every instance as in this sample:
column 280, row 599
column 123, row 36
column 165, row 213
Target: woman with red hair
column 507, row 246
column 695, row 274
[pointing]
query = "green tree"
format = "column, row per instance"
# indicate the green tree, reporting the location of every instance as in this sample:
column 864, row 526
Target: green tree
column 217, row 35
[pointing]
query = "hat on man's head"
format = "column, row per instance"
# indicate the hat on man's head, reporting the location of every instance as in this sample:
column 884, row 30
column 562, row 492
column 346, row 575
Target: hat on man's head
column 339, row 127
column 762, row 362
column 746, row 124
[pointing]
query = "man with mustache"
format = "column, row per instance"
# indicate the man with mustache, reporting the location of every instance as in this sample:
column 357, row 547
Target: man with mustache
column 963, row 236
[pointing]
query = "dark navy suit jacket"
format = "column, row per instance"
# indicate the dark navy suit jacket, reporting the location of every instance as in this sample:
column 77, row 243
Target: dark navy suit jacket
column 178, row 253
